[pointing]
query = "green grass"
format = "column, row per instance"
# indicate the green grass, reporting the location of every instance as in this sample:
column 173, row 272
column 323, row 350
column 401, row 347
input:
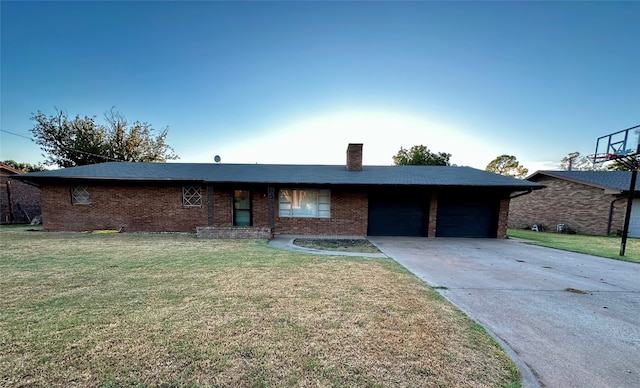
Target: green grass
column 604, row 246
column 111, row 310
column 19, row 227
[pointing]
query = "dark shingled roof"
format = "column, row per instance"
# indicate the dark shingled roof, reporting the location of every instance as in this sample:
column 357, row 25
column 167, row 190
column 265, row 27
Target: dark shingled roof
column 616, row 180
column 285, row 174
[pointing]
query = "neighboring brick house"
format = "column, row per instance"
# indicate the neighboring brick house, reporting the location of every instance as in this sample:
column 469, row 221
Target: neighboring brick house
column 231, row 200
column 587, row 202
column 19, row 202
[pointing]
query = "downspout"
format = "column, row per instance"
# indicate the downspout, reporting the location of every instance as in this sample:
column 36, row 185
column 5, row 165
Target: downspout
column 611, row 214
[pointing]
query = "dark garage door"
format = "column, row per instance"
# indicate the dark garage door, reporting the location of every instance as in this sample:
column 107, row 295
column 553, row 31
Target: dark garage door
column 394, row 217
column 466, row 220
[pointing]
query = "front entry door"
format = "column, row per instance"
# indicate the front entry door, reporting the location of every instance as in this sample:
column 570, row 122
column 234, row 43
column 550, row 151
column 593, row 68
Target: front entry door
column 241, row 208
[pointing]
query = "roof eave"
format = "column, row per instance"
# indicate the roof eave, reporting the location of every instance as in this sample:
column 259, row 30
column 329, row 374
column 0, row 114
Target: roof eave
column 58, row 179
column 557, row 176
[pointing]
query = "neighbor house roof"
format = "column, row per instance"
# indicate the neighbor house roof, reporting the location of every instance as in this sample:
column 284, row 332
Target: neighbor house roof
column 284, row 174
column 613, row 180
column 10, row 169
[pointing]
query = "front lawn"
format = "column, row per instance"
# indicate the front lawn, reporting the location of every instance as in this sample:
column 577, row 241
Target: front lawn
column 82, row 309
column 604, row 246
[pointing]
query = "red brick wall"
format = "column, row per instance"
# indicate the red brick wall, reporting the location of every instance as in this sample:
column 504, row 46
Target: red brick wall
column 259, row 207
column 349, row 217
column 222, row 208
column 25, row 198
column 133, row 208
column 582, row 208
column 159, row 209
column 503, row 217
column 234, row 232
column 433, row 216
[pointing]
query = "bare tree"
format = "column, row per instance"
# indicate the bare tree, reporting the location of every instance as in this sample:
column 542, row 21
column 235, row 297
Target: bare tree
column 576, row 162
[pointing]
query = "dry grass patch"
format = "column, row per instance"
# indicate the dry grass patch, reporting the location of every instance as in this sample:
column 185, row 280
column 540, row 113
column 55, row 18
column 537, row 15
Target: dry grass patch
column 345, row 245
column 162, row 310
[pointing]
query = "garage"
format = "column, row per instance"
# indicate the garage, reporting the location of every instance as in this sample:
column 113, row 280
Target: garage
column 390, row 216
column 467, row 219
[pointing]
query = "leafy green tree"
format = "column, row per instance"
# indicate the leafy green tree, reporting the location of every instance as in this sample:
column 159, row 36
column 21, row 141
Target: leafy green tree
column 420, row 155
column 614, row 165
column 81, row 141
column 135, row 142
column 26, row 167
column 507, row 165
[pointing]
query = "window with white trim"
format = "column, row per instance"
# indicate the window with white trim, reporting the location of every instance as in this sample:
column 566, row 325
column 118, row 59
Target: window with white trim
column 191, row 196
column 311, row 203
column 80, row 195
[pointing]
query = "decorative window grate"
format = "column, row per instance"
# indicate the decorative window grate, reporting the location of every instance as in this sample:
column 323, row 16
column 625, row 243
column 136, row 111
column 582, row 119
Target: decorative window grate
column 80, row 195
column 191, row 196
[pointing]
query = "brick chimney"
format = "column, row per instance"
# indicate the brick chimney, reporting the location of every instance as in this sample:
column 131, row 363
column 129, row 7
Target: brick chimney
column 354, row 157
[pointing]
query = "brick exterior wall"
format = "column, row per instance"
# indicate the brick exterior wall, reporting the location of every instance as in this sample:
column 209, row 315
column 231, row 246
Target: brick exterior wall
column 222, row 208
column 433, row 216
column 582, row 208
column 503, row 218
column 159, row 209
column 130, row 208
column 259, row 207
column 25, row 198
column 233, row 232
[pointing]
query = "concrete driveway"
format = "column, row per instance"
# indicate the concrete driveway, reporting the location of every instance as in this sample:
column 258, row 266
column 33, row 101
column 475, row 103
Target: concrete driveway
column 567, row 319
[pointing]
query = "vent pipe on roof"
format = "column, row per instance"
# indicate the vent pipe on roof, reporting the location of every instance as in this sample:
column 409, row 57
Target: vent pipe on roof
column 354, row 157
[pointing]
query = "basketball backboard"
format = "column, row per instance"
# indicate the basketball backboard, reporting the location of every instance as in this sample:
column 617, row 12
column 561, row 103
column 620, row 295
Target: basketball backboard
column 623, row 147
column 617, row 145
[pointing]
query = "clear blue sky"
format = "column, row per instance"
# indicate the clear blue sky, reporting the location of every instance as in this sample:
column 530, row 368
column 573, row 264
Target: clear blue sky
column 294, row 82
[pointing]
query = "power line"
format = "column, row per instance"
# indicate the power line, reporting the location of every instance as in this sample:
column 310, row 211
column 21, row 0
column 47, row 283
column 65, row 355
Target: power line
column 68, row 149
column 17, row 134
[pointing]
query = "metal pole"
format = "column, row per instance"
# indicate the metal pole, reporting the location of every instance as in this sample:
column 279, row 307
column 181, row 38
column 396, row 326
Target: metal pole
column 625, row 229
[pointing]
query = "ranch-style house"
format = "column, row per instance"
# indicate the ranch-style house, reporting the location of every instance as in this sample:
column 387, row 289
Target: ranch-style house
column 260, row 200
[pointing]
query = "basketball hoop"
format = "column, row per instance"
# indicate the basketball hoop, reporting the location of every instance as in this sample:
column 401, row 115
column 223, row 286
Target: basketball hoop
column 623, row 147
column 601, row 158
column 617, row 145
